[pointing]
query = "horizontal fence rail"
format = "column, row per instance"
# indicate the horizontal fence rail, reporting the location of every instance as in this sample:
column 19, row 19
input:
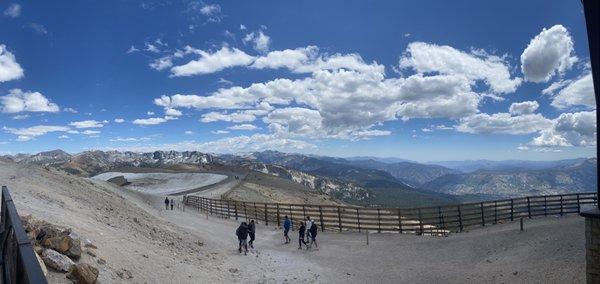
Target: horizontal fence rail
column 439, row 220
column 19, row 263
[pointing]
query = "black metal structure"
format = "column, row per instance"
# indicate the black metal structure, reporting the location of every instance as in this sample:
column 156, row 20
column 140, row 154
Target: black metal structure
column 18, row 263
column 592, row 21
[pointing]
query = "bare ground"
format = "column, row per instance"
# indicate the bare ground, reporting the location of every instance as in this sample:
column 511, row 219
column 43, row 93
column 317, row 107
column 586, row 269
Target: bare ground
column 134, row 233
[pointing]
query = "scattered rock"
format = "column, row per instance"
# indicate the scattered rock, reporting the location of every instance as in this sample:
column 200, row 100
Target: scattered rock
column 516, row 272
column 68, row 243
column 124, row 273
column 83, row 273
column 91, row 253
column 89, row 244
column 233, row 270
column 145, row 255
column 57, row 261
column 119, row 180
column 101, row 261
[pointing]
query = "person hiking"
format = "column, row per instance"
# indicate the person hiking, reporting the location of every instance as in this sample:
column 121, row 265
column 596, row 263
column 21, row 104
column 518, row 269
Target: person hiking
column 242, row 234
column 166, row 203
column 251, row 232
column 301, row 232
column 287, row 224
column 172, row 202
column 308, row 224
column 313, row 235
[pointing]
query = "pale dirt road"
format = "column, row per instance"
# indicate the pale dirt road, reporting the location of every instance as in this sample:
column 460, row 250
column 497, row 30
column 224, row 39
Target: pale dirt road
column 135, row 233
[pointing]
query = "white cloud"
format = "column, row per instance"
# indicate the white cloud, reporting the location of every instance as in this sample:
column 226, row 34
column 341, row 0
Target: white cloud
column 219, row 132
column 162, row 63
column 21, row 116
column 119, row 120
column 237, row 117
column 503, row 123
column 26, row 134
column 13, row 11
column 129, row 139
column 527, row 107
column 211, row 9
column 150, row 113
column 87, row 124
column 477, row 65
column 150, row 121
column 579, row 92
column 90, row 132
column 173, row 112
column 259, row 40
column 213, row 62
column 19, row 101
column 71, row 110
column 63, row 137
column 38, row 28
column 151, row 47
column 132, row 49
column 9, row 68
column 547, row 54
column 189, row 132
column 242, row 27
column 569, row 129
column 245, row 126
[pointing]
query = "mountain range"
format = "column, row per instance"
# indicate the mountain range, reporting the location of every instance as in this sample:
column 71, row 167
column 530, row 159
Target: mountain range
column 359, row 180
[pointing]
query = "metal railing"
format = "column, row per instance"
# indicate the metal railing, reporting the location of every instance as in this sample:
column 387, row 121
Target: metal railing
column 438, row 220
column 19, row 263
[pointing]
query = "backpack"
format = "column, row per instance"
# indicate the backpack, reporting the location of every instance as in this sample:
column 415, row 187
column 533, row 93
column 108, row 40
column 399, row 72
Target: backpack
column 313, row 229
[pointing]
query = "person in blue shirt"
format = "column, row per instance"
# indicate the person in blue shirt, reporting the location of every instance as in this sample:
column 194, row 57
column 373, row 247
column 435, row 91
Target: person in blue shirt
column 287, row 224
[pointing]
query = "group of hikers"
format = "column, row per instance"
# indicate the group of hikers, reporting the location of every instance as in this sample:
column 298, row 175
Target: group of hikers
column 167, row 202
column 307, row 234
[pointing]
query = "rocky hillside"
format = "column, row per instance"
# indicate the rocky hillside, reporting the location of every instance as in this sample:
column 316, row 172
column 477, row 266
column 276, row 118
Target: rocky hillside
column 45, row 158
column 411, row 173
column 580, row 177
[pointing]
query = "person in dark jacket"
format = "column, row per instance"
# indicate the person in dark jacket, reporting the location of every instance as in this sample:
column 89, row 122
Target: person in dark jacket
column 287, row 224
column 172, row 202
column 301, row 232
column 313, row 234
column 166, row 203
column 242, row 234
column 251, row 232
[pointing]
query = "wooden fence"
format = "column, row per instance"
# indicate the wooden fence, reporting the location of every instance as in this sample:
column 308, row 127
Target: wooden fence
column 438, row 220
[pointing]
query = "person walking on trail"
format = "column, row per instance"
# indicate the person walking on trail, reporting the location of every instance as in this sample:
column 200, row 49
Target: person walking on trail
column 313, row 235
column 242, row 234
column 308, row 224
column 287, row 224
column 172, row 202
column 301, row 232
column 166, row 203
column 251, row 232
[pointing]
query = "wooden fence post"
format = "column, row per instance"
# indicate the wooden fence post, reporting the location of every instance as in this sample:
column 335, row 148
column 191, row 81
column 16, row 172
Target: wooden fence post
column 358, row 219
column 235, row 208
column 339, row 218
column 228, row 209
column 561, row 205
column 512, row 215
column 495, row 212
column 378, row 220
column 255, row 212
column 420, row 221
column 482, row 215
column 578, row 204
column 460, row 224
column 245, row 211
column 266, row 217
column 278, row 220
column 528, row 207
column 303, row 212
column 321, row 217
column 399, row 221
column 292, row 217
column 441, row 218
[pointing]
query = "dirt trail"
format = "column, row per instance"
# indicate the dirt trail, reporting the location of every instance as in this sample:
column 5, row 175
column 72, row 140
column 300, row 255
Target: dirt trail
column 135, row 233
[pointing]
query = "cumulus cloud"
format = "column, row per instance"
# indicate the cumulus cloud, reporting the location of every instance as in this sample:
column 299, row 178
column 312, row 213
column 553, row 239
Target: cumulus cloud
column 521, row 108
column 153, row 120
column 119, row 120
column 19, row 101
column 579, row 92
column 547, row 54
column 212, row 62
column 13, row 11
column 26, row 134
column 87, row 124
column 173, row 112
column 69, row 109
column 477, row 65
column 260, row 41
column 569, row 129
column 504, row 123
column 9, row 68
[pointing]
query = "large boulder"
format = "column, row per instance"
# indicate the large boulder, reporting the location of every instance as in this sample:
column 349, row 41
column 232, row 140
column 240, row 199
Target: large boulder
column 67, row 243
column 57, row 261
column 119, row 180
column 83, row 273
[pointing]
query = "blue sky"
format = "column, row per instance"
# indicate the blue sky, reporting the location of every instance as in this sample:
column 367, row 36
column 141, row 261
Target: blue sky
column 426, row 80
